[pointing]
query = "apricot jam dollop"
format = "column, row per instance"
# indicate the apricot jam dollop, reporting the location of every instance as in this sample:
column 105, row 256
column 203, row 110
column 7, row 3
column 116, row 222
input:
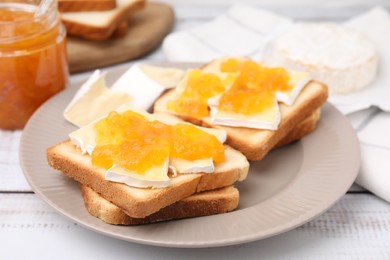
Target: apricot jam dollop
column 199, row 87
column 244, row 87
column 254, row 88
column 133, row 142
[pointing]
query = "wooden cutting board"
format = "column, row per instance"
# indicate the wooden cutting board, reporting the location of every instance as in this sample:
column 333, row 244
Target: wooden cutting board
column 146, row 30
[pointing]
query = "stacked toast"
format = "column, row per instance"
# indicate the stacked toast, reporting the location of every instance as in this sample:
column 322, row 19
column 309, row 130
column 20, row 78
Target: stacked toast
column 97, row 19
column 191, row 194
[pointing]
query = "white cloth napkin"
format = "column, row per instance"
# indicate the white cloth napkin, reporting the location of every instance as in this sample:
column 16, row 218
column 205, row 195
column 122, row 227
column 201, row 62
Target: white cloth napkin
column 241, row 31
column 245, row 31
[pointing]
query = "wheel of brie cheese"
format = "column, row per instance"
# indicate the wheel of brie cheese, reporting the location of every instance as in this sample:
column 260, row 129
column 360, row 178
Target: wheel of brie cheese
column 335, row 55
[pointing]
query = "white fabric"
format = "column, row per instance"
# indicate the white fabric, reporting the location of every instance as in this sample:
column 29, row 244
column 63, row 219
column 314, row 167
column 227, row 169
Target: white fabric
column 242, row 31
column 374, row 137
column 245, row 31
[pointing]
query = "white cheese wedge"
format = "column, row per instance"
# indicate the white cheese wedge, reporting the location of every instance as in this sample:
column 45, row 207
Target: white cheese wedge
column 156, row 177
column 84, row 138
column 298, row 80
column 184, row 166
column 267, row 119
column 220, row 134
column 167, row 77
column 340, row 57
column 146, row 83
column 93, row 100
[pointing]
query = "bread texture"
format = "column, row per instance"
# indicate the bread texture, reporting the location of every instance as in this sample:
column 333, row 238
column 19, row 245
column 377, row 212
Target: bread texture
column 201, row 204
column 85, row 5
column 100, row 25
column 256, row 143
column 141, row 202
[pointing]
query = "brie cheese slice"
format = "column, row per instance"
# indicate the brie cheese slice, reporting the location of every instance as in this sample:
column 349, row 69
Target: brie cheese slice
column 298, row 80
column 146, row 83
column 184, row 166
column 156, row 177
column 267, row 119
column 93, row 100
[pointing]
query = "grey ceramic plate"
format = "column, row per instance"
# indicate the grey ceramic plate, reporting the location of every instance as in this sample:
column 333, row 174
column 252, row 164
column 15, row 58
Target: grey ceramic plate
column 291, row 186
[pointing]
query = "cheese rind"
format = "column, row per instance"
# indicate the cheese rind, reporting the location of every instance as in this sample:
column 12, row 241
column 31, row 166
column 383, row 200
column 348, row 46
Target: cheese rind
column 156, row 177
column 341, row 58
column 267, row 119
column 146, row 83
column 196, row 166
column 94, row 100
column 298, row 80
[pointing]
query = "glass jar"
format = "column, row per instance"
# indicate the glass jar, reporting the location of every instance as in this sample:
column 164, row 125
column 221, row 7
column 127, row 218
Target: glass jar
column 33, row 61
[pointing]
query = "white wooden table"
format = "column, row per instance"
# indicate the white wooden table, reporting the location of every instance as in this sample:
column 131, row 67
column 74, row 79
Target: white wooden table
column 357, row 227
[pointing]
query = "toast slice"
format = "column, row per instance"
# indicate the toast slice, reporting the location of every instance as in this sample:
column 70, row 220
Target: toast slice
column 85, row 5
column 201, row 204
column 302, row 129
column 256, row 143
column 141, row 202
column 121, row 30
column 99, row 25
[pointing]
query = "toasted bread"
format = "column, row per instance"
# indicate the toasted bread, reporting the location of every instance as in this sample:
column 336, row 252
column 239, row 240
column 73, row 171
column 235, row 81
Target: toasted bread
column 255, row 143
column 141, row 202
column 121, row 30
column 85, row 5
column 303, row 128
column 99, row 25
column 201, row 204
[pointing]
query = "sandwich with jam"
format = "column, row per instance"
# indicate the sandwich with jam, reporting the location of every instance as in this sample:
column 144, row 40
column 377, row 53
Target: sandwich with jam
column 257, row 106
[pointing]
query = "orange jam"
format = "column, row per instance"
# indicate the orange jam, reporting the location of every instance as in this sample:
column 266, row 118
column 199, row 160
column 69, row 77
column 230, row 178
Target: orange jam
column 199, row 88
column 256, row 76
column 33, row 62
column 134, row 143
column 246, row 88
column 254, row 88
column 242, row 99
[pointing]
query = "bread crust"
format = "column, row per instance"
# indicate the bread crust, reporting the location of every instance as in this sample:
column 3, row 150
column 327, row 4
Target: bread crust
column 202, row 204
column 104, row 31
column 141, row 202
column 304, row 128
column 85, row 5
column 256, row 143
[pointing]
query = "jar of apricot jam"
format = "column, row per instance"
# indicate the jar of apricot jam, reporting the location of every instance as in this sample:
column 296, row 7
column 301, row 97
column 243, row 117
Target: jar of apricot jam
column 33, row 61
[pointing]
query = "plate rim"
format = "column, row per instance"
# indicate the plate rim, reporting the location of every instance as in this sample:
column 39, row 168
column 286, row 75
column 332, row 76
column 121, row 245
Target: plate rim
column 194, row 244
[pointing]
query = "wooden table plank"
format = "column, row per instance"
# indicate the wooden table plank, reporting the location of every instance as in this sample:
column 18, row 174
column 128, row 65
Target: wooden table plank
column 359, row 225
column 11, row 175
